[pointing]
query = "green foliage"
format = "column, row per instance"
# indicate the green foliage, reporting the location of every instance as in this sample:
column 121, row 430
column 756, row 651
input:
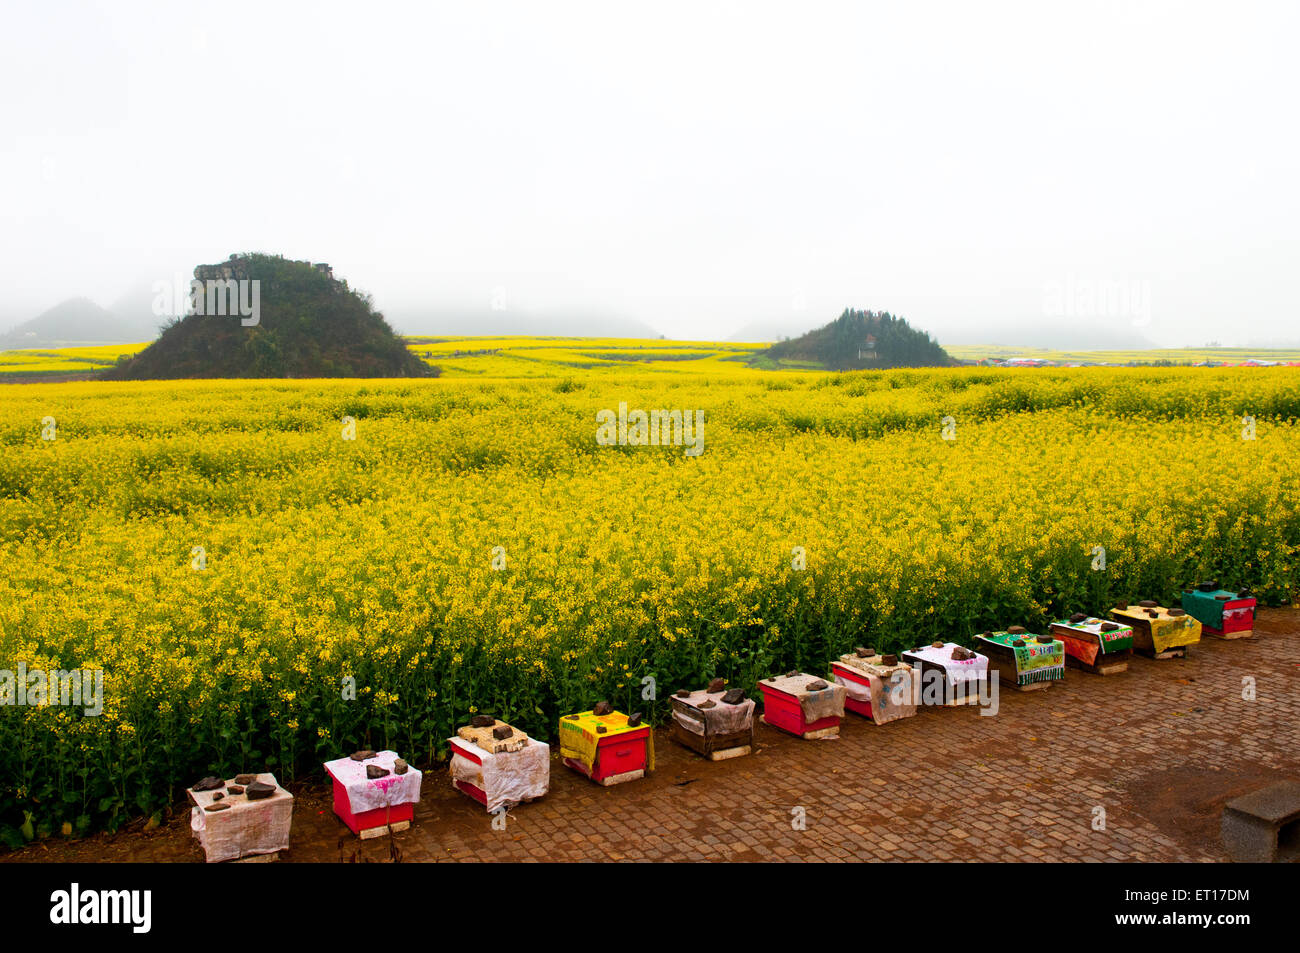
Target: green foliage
column 859, row 340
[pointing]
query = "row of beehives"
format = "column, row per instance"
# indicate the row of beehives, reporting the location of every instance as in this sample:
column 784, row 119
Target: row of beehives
column 500, row 767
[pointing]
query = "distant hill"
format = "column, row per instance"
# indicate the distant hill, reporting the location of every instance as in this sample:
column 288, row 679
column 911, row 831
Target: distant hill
column 309, row 325
column 75, row 322
column 860, row 340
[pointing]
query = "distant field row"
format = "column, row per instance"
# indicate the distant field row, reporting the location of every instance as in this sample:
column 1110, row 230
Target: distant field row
column 1177, row 355
column 525, row 357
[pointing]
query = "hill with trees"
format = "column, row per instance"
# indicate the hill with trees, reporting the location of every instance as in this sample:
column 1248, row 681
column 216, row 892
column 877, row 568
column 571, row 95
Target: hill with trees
column 860, row 340
column 308, row 324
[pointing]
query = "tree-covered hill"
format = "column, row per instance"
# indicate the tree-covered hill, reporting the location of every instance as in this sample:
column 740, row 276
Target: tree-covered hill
column 308, row 325
column 860, row 340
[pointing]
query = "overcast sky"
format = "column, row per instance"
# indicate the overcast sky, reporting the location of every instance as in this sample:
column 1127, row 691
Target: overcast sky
column 696, row 166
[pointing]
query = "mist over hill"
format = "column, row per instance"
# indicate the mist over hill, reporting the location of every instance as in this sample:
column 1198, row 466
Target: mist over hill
column 79, row 321
column 451, row 320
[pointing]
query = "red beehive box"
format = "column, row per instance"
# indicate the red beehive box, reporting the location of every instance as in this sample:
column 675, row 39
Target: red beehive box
column 605, row 747
column 1223, row 613
column 468, row 752
column 375, row 822
column 372, row 808
column 876, row 686
column 499, row 766
column 793, row 703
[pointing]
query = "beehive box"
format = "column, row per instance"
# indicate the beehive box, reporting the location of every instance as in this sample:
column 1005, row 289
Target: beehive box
column 717, row 724
column 949, row 680
column 877, row 687
column 499, row 772
column 1158, row 632
column 372, row 807
column 1099, row 646
column 609, row 747
column 244, row 827
column 1023, row 661
column 1223, row 614
column 802, row 704
column 492, row 735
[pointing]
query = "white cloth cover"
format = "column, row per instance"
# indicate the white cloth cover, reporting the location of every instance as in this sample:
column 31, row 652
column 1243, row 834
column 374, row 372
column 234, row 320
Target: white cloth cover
column 721, row 719
column 508, row 778
column 247, row 828
column 855, row 690
column 365, row 794
column 965, row 672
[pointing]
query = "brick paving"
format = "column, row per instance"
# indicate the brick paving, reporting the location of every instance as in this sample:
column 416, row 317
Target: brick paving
column 1160, row 748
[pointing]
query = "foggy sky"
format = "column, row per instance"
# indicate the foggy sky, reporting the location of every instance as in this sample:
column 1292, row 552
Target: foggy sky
column 697, row 166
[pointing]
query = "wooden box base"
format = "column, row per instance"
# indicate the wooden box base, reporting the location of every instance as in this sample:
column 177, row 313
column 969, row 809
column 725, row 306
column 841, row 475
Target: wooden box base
column 709, row 745
column 1031, row 687
column 609, row 779
column 816, row 734
column 1178, row 652
column 1226, row 636
column 1106, row 665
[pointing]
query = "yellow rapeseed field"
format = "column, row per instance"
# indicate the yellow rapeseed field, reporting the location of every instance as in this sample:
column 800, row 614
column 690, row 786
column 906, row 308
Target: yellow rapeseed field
column 234, row 565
